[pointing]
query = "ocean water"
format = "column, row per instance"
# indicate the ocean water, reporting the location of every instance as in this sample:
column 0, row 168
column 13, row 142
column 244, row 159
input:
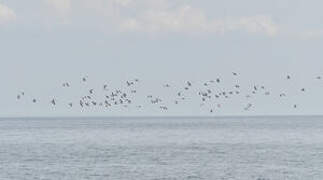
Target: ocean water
column 162, row 148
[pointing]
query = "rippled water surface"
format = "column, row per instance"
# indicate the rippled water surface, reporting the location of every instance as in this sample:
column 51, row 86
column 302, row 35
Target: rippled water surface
column 162, row 148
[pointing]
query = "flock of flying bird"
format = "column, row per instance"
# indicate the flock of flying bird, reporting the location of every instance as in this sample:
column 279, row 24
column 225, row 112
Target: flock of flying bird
column 205, row 93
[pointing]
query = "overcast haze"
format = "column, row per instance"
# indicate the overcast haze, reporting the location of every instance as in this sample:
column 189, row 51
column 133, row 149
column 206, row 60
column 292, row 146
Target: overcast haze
column 46, row 42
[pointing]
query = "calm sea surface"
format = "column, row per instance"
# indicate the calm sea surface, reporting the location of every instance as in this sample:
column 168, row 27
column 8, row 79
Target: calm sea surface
column 228, row 148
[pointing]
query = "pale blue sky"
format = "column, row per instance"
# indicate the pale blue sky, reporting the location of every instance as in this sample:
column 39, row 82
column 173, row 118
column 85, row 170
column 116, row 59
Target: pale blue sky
column 46, row 42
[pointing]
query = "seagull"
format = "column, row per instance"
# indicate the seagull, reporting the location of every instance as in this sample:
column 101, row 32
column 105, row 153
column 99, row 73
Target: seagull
column 248, row 107
column 163, row 108
column 53, row 102
column 282, row 95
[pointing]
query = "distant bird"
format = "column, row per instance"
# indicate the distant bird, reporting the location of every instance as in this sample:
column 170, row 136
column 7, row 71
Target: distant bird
column 18, row 96
column 163, row 108
column 70, row 104
column 288, row 77
column 53, row 102
column 248, row 107
column 303, row 89
column 91, row 91
column 282, row 95
column 234, row 73
column 34, row 100
column 218, row 80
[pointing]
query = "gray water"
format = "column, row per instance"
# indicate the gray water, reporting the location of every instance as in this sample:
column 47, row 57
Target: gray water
column 227, row 148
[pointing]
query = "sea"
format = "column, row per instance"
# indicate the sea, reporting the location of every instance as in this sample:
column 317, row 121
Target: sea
column 163, row 148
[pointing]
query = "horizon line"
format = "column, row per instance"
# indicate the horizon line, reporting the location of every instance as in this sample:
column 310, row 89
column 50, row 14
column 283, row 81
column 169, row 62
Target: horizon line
column 159, row 117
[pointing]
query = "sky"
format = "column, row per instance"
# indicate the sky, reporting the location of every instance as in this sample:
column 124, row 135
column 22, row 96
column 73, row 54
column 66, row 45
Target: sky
column 46, row 42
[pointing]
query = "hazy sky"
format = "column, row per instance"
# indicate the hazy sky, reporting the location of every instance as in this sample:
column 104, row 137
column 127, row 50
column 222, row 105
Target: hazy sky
column 46, row 42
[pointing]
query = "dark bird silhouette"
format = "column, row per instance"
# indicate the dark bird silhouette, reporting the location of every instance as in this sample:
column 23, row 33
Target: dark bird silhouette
column 248, row 107
column 84, row 79
column 53, row 102
column 282, row 95
column 163, row 108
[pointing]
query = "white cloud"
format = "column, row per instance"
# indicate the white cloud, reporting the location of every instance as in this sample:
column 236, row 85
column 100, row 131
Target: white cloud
column 190, row 20
column 159, row 16
column 6, row 14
